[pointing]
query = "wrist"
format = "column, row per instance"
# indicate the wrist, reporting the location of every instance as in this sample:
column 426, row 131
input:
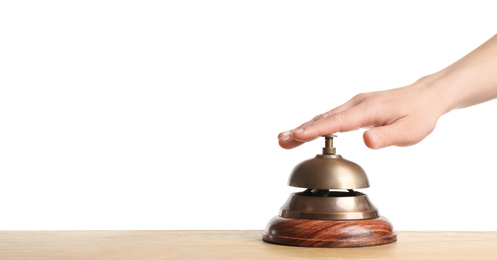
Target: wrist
column 441, row 87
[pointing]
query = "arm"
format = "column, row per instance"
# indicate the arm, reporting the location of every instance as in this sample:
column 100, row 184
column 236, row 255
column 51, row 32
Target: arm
column 405, row 116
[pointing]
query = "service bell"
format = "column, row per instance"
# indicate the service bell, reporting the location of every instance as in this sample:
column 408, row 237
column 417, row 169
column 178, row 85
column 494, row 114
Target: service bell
column 329, row 213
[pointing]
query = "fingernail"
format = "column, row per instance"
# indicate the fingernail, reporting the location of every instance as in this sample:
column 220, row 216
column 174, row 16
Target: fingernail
column 285, row 135
column 298, row 130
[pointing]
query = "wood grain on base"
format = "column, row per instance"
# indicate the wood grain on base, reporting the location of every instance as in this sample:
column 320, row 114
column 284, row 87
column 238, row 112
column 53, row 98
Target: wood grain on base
column 329, row 233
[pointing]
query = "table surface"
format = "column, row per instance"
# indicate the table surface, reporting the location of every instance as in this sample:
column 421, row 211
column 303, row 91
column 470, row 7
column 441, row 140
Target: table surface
column 232, row 244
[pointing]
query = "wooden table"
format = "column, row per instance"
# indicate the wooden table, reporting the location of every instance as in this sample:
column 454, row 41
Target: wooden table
column 240, row 244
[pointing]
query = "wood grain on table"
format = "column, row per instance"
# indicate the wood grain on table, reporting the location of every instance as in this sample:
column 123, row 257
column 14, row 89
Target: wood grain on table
column 239, row 244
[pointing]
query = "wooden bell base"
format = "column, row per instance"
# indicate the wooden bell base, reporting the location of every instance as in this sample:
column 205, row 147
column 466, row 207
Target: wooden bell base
column 329, row 233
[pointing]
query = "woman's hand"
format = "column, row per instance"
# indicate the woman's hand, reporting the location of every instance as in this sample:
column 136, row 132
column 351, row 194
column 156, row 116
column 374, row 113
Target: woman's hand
column 402, row 117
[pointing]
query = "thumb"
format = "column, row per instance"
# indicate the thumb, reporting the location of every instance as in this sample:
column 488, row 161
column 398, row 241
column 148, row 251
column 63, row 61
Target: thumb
column 398, row 133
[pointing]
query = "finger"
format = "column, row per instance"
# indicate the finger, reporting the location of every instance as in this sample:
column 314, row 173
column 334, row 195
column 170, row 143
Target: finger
column 289, row 144
column 343, row 121
column 399, row 133
column 286, row 140
column 349, row 104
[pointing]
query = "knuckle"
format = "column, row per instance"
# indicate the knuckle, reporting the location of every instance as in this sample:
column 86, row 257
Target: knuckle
column 336, row 117
column 424, row 79
column 384, row 136
column 374, row 101
column 320, row 117
column 361, row 96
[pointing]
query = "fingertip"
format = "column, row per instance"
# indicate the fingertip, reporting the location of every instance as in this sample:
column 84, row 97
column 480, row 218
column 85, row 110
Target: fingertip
column 284, row 145
column 296, row 134
column 287, row 140
column 305, row 134
column 285, row 135
column 289, row 144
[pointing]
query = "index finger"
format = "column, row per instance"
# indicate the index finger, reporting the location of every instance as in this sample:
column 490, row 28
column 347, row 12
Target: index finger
column 342, row 121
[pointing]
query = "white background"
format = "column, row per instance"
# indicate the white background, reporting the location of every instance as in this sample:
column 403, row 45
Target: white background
column 165, row 114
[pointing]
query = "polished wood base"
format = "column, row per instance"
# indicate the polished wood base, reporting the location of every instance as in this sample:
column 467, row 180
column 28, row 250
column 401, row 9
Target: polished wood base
column 329, row 233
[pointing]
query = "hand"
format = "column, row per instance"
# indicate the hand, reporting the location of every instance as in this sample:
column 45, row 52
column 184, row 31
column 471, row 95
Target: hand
column 402, row 117
column 405, row 116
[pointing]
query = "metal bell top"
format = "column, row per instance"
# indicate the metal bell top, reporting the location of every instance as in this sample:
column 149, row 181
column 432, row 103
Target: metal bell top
column 328, row 171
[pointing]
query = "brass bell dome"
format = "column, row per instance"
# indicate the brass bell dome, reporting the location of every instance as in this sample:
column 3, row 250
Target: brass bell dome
column 328, row 171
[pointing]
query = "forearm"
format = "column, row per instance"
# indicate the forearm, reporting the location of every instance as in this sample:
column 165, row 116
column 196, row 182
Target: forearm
column 471, row 80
